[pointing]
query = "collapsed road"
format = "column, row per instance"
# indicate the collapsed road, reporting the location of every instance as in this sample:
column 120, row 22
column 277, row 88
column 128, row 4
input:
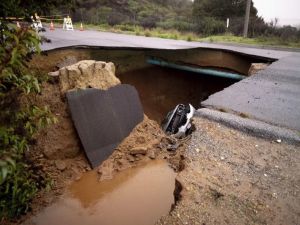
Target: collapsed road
column 269, row 96
column 226, row 176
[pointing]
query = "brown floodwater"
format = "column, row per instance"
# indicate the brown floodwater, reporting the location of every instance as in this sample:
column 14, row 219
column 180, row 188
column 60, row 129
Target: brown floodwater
column 138, row 195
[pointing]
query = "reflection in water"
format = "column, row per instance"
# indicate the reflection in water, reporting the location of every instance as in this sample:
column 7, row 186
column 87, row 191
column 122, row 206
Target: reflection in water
column 136, row 196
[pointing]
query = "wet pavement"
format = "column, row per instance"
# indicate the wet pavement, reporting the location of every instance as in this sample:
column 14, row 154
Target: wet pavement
column 271, row 95
column 90, row 38
column 138, row 195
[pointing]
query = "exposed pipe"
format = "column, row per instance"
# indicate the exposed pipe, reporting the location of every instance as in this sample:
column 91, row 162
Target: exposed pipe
column 211, row 72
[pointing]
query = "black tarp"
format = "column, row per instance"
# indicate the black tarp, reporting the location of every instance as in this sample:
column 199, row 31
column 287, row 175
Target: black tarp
column 104, row 118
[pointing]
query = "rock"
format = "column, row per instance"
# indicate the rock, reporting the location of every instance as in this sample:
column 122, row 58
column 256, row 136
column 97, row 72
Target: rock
column 60, row 165
column 106, row 170
column 71, row 152
column 54, row 74
column 172, row 147
column 152, row 154
column 48, row 154
column 168, row 140
column 141, row 140
column 86, row 74
column 138, row 150
column 255, row 67
column 130, row 158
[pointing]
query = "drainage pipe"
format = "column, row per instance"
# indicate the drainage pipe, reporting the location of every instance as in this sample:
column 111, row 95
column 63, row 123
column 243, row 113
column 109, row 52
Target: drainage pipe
column 210, row 72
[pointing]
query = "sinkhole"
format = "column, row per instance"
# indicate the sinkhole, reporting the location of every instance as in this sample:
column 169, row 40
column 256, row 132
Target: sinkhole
column 143, row 194
column 162, row 88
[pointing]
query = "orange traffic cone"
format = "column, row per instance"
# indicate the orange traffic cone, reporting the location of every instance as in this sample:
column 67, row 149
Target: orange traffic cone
column 18, row 25
column 51, row 26
column 81, row 27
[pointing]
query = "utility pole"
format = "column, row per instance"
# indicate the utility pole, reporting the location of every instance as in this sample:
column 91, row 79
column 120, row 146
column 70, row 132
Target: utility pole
column 247, row 15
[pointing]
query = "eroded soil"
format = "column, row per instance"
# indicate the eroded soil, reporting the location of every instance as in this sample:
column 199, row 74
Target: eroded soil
column 58, row 153
column 232, row 178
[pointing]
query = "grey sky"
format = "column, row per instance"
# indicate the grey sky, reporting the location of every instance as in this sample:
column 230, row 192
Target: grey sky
column 287, row 11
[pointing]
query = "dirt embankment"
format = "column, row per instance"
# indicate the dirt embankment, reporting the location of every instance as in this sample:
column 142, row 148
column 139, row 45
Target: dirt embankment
column 58, row 152
column 233, row 178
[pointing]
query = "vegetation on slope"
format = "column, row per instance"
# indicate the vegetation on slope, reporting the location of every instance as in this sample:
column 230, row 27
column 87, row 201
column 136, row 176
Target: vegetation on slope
column 199, row 18
column 19, row 121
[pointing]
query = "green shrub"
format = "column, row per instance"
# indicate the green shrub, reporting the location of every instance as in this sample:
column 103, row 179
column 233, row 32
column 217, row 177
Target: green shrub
column 147, row 33
column 210, row 26
column 18, row 123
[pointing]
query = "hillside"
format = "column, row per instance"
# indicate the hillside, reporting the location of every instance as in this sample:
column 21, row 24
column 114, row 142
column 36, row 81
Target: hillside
column 147, row 13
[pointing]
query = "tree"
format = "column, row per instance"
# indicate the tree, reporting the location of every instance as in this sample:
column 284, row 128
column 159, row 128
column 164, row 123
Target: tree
column 220, row 10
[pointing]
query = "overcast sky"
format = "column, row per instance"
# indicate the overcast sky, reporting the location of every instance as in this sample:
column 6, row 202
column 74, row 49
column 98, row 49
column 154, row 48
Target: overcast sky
column 287, row 11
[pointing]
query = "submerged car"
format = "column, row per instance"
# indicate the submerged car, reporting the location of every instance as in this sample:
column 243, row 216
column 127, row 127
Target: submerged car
column 178, row 121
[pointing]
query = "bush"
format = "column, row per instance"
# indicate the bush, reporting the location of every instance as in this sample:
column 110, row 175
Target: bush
column 148, row 22
column 18, row 123
column 147, row 33
column 178, row 25
column 115, row 18
column 209, row 26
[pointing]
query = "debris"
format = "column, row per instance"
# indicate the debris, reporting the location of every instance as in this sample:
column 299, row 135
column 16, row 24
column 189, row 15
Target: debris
column 256, row 67
column 60, row 165
column 197, row 150
column 278, row 140
column 141, row 140
column 130, row 158
column 152, row 154
column 172, row 147
column 138, row 150
column 106, row 170
column 54, row 74
column 101, row 129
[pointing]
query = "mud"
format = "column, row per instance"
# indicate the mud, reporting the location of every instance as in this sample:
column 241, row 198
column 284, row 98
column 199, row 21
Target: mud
column 138, row 195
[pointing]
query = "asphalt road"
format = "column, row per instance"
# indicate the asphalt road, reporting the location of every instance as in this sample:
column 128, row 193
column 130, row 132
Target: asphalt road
column 272, row 95
column 62, row 39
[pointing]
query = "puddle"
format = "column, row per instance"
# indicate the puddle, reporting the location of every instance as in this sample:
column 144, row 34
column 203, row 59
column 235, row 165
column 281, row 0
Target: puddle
column 138, row 195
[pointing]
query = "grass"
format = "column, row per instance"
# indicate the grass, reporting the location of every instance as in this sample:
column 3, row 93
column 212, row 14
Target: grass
column 189, row 36
column 268, row 41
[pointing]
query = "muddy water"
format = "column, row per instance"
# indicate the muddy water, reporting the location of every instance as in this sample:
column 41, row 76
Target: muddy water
column 135, row 196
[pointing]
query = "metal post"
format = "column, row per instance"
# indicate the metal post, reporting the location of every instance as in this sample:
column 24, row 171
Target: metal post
column 247, row 18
